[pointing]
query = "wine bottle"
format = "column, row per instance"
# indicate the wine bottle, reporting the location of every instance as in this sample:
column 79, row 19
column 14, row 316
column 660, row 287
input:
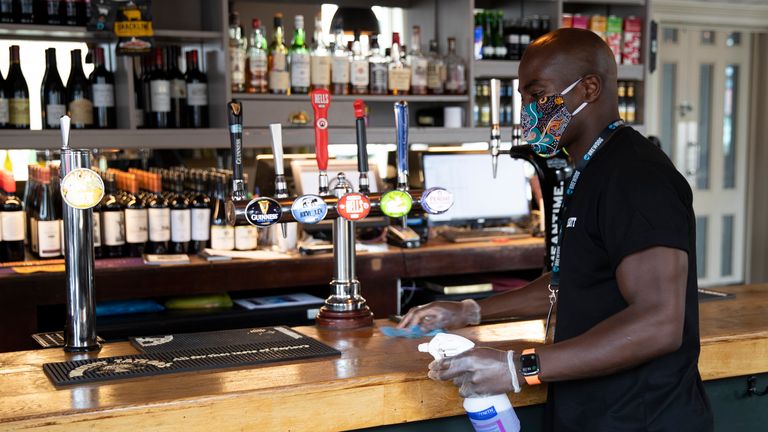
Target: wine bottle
column 181, row 218
column 138, row 93
column 4, row 96
column 159, row 218
column 160, row 94
column 79, row 97
column 103, row 88
column 222, row 235
column 201, row 217
column 71, row 12
column 299, row 59
column 378, row 68
column 18, row 93
column 146, row 89
column 279, row 80
column 178, row 88
column 26, row 12
column 11, row 221
column 6, row 11
column 48, row 225
column 53, row 12
column 112, row 221
column 136, row 220
column 54, row 97
column 257, row 60
column 197, row 93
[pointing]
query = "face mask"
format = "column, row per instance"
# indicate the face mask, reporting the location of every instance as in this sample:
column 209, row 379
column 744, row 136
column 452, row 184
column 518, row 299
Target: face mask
column 544, row 122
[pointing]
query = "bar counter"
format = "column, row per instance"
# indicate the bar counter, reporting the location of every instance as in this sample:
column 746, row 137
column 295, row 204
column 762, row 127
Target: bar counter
column 377, row 381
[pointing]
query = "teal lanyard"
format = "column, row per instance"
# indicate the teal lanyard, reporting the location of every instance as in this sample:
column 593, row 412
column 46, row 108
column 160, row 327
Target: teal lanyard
column 554, row 284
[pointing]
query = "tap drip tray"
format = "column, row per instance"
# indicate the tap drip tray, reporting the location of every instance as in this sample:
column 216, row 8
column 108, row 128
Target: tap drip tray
column 192, row 352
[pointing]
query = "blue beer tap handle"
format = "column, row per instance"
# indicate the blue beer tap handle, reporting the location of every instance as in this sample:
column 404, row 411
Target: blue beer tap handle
column 401, row 125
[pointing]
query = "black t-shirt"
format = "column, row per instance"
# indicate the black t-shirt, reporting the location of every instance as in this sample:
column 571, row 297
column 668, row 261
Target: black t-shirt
column 629, row 198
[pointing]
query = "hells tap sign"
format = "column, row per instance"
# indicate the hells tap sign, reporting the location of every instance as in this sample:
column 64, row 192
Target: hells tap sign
column 321, row 100
column 353, row 206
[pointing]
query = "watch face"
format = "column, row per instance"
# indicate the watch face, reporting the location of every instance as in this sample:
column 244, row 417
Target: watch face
column 529, row 364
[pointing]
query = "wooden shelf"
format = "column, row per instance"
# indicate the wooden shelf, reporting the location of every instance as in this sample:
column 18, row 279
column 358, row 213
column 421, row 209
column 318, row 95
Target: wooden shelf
column 350, row 98
column 80, row 33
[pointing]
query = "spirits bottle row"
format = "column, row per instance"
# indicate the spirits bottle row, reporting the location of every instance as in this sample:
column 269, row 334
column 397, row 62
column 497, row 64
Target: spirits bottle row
column 343, row 66
column 53, row 12
column 166, row 97
column 498, row 39
column 627, row 101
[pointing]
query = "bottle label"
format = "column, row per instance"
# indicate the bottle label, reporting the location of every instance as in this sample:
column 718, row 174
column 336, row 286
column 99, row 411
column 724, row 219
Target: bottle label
column 246, row 237
column 399, row 79
column 136, row 230
column 257, row 65
column 222, row 237
column 360, row 75
column 419, row 67
column 201, row 224
column 160, row 95
column 159, row 224
column 96, row 229
column 4, row 111
column 435, row 75
column 321, row 70
column 12, row 225
column 181, row 226
column 279, row 62
column 490, row 420
column 178, row 89
column 33, row 233
column 197, row 94
column 237, row 62
column 279, row 81
column 19, row 111
column 378, row 77
column 53, row 113
column 113, row 224
column 49, row 238
column 81, row 111
column 340, row 70
column 103, row 95
column 300, row 70
column 456, row 80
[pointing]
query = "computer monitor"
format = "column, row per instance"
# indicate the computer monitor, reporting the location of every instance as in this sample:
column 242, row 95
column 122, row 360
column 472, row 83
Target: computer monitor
column 264, row 175
column 305, row 175
column 479, row 199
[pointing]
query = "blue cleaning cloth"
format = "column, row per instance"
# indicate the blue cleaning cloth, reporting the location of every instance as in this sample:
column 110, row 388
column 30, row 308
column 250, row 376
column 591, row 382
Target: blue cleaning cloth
column 413, row 332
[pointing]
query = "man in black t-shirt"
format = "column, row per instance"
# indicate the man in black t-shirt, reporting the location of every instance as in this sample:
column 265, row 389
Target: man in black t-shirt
column 626, row 342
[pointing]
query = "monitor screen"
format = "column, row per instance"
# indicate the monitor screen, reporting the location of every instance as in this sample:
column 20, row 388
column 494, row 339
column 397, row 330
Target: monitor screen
column 478, row 197
column 305, row 175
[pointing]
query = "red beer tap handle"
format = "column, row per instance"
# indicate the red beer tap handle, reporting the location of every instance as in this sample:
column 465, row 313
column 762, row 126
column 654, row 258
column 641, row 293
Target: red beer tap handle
column 321, row 100
column 359, row 108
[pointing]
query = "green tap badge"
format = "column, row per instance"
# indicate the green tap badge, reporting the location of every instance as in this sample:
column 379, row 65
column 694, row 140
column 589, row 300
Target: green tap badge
column 396, row 203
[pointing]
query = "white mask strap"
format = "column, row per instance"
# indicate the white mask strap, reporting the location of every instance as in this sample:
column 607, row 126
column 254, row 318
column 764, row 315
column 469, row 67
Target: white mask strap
column 581, row 107
column 570, row 87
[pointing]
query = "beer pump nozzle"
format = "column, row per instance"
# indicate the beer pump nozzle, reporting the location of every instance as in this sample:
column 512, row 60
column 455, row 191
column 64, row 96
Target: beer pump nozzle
column 235, row 116
column 281, row 186
column 321, row 100
column 495, row 124
column 362, row 143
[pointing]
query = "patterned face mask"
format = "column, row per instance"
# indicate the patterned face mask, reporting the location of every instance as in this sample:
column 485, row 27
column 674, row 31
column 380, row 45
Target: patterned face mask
column 544, row 122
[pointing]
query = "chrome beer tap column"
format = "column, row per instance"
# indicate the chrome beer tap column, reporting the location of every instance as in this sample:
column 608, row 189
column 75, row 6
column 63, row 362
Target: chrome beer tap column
column 81, row 190
column 495, row 124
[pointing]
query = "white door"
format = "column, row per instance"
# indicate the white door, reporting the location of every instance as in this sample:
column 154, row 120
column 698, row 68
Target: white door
column 702, row 83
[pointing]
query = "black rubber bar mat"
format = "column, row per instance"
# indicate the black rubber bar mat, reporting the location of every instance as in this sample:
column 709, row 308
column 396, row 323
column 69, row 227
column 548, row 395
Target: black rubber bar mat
column 185, row 341
column 143, row 365
column 54, row 339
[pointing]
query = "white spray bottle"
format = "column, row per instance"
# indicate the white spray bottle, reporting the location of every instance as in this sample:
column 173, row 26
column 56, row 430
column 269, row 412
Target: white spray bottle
column 488, row 413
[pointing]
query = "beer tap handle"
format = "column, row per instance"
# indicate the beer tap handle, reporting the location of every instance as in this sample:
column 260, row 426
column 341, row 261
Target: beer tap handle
column 281, row 186
column 362, row 143
column 495, row 123
column 235, row 116
column 65, row 125
column 321, row 100
column 401, row 125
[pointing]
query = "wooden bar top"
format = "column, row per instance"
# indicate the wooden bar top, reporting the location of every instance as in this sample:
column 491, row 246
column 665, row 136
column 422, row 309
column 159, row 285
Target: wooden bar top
column 376, row 381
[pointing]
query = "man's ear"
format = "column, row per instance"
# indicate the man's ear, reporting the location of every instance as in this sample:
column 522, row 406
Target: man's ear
column 593, row 86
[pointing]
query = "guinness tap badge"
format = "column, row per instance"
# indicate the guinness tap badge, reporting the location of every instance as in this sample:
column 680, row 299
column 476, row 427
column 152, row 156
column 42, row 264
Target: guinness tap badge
column 263, row 212
column 353, row 206
column 309, row 209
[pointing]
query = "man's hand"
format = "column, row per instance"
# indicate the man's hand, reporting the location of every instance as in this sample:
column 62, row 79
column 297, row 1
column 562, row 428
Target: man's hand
column 442, row 315
column 477, row 372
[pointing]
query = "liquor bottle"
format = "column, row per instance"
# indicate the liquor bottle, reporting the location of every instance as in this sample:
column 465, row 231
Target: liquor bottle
column 500, row 49
column 11, row 221
column 54, row 12
column 6, row 11
column 436, row 72
column 160, row 94
column 47, row 220
column 4, row 96
column 525, row 36
column 320, row 58
column 71, row 12
column 237, row 48
column 485, row 104
column 477, row 49
column 181, row 218
column 489, row 51
column 197, row 93
column 631, row 104
column 299, row 59
column 103, row 89
column 26, row 12
column 257, row 60
column 418, row 63
column 512, row 39
column 178, row 87
column 146, row 89
column 399, row 72
column 112, row 221
column 18, row 93
column 159, row 218
column 359, row 73
column 79, row 97
column 456, row 71
column 622, row 93
column 340, row 63
column 279, row 80
column 201, row 217
column 377, row 64
column 54, row 97
column 136, row 220
column 222, row 235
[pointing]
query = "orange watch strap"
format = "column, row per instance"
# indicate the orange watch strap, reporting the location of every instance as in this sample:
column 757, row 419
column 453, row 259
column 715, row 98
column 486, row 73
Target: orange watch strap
column 531, row 379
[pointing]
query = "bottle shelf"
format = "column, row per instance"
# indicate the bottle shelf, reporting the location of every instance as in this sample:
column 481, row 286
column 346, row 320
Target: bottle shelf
column 508, row 69
column 609, row 2
column 350, row 98
column 80, row 33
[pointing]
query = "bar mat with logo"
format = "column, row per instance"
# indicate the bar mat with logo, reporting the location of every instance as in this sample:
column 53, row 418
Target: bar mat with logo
column 214, row 339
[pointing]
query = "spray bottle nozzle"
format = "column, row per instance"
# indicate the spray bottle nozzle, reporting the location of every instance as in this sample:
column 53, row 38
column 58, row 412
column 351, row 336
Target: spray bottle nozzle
column 446, row 345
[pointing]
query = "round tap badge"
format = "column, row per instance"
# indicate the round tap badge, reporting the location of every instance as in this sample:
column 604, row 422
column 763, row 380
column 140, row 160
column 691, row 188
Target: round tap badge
column 436, row 200
column 353, row 206
column 396, row 203
column 82, row 188
column 263, row 212
column 309, row 209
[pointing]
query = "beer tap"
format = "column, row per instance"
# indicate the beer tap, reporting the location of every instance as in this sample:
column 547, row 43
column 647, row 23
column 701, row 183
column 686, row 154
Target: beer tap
column 321, row 100
column 495, row 124
column 362, row 143
column 236, row 139
column 281, row 187
column 397, row 203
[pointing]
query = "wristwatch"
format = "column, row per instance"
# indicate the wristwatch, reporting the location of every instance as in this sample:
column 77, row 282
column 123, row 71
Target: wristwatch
column 529, row 366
